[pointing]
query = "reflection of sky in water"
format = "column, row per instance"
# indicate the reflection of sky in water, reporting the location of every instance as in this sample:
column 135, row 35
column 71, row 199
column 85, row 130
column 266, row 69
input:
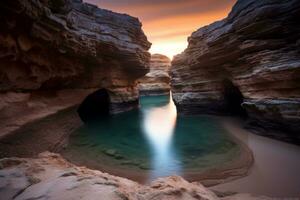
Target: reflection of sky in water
column 159, row 124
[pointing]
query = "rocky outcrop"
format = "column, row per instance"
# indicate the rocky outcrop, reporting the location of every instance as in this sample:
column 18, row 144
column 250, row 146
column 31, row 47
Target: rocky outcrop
column 250, row 61
column 53, row 53
column 51, row 177
column 157, row 81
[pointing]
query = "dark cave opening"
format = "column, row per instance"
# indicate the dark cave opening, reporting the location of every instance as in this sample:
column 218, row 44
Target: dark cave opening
column 95, row 106
column 233, row 99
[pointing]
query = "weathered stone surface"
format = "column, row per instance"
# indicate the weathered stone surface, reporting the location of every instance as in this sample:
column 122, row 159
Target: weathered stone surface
column 53, row 53
column 251, row 58
column 157, row 81
column 51, row 177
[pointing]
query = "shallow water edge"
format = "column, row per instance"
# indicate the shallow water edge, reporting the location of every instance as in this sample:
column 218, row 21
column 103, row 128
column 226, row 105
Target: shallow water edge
column 106, row 146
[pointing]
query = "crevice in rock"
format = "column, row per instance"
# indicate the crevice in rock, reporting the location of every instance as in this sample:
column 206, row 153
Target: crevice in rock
column 95, row 106
column 233, row 99
column 21, row 191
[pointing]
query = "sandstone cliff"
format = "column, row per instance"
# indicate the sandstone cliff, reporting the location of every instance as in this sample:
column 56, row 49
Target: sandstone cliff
column 54, row 53
column 157, row 81
column 248, row 62
column 51, row 177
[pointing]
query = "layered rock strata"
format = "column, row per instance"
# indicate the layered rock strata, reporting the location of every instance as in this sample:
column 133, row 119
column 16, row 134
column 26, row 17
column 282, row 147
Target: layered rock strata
column 51, row 177
column 250, row 61
column 54, row 53
column 157, row 81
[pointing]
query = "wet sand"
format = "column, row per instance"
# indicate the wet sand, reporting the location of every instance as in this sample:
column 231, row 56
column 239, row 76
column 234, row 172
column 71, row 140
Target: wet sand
column 276, row 169
column 239, row 167
column 47, row 134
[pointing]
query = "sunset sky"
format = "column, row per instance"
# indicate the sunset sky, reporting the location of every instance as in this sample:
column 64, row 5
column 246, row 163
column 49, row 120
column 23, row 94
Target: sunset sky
column 168, row 23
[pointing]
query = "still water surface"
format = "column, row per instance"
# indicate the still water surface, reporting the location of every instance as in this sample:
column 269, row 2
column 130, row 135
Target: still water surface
column 152, row 142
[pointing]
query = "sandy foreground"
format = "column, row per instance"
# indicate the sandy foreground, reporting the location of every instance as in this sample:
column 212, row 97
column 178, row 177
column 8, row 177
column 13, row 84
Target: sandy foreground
column 51, row 177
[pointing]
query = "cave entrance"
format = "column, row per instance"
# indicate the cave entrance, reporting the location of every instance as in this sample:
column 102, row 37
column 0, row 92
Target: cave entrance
column 95, row 106
column 233, row 99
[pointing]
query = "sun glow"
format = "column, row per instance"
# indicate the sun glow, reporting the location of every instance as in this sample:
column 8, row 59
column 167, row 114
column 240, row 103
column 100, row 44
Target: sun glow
column 172, row 38
column 168, row 48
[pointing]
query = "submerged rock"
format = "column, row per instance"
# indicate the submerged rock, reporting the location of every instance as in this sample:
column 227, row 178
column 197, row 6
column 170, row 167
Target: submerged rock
column 248, row 62
column 145, row 166
column 50, row 176
column 113, row 153
column 157, row 81
column 54, row 53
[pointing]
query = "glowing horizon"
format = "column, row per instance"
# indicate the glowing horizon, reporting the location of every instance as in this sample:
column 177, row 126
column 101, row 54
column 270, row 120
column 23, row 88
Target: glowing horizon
column 168, row 24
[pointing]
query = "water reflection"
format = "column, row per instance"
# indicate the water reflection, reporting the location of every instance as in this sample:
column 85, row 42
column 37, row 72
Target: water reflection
column 152, row 142
column 159, row 125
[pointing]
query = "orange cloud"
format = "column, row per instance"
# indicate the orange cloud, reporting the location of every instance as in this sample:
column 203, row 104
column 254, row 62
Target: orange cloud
column 169, row 35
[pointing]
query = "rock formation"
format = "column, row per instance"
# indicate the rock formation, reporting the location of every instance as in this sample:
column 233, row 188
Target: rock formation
column 157, row 81
column 250, row 61
column 51, row 177
column 54, row 53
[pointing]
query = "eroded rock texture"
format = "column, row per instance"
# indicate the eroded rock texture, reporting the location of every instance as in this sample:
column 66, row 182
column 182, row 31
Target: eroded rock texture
column 157, row 81
column 53, row 53
column 51, row 177
column 252, row 59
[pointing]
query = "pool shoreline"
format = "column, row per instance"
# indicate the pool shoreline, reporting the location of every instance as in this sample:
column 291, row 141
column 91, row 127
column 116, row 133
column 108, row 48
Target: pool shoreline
column 230, row 171
column 20, row 143
column 234, row 183
column 237, row 167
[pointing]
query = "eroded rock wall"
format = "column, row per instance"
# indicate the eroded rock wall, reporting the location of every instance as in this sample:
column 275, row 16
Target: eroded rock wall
column 157, row 81
column 53, row 53
column 254, row 52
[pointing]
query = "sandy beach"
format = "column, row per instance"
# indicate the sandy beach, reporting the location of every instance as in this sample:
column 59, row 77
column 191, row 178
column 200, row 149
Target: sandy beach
column 276, row 166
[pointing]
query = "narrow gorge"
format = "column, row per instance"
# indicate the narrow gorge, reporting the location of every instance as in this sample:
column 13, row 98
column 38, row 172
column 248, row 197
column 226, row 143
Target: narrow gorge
column 157, row 81
column 90, row 109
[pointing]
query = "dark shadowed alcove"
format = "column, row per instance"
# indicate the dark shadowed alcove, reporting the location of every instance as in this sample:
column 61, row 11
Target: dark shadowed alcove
column 94, row 106
column 233, row 99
